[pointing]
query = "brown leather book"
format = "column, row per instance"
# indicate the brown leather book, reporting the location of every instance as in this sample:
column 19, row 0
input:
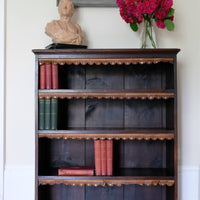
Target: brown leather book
column 103, row 158
column 97, row 157
column 54, row 76
column 48, row 76
column 42, row 77
column 109, row 152
column 76, row 171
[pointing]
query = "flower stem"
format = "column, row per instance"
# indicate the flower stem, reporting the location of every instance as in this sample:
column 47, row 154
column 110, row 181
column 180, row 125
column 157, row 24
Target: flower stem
column 148, row 33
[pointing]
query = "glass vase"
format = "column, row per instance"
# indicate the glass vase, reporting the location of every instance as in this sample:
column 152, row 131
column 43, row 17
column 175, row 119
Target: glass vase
column 148, row 35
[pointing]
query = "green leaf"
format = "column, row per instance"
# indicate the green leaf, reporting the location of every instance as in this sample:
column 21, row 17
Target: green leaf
column 134, row 26
column 170, row 13
column 169, row 25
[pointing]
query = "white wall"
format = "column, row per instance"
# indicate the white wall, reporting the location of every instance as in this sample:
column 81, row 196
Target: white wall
column 103, row 28
column 2, row 90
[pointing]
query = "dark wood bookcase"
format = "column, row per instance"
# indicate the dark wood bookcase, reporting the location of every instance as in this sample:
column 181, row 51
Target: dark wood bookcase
column 127, row 95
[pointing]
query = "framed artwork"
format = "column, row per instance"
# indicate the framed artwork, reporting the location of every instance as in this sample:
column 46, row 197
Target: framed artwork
column 93, row 3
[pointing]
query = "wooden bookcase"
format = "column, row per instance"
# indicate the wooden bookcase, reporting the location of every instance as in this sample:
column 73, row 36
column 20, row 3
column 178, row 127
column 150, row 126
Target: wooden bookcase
column 128, row 95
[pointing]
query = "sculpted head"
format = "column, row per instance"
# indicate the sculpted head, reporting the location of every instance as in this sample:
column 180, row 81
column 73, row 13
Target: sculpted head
column 66, row 8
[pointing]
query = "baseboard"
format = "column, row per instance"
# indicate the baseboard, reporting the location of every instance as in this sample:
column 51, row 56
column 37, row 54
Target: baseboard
column 189, row 183
column 19, row 183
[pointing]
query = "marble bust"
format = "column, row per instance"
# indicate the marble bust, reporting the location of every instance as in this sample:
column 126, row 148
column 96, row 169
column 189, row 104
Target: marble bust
column 63, row 30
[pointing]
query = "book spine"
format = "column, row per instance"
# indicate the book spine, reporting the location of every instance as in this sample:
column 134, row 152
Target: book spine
column 80, row 172
column 48, row 76
column 43, row 77
column 97, row 157
column 41, row 114
column 103, row 158
column 54, row 113
column 47, row 115
column 109, row 157
column 54, row 76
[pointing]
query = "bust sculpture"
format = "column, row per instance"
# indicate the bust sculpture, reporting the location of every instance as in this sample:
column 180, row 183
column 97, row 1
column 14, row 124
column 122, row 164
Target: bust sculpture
column 63, row 30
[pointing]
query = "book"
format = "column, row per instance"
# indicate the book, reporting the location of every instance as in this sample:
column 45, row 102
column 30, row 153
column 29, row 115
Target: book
column 48, row 76
column 47, row 114
column 103, row 158
column 76, row 171
column 54, row 113
column 109, row 151
column 43, row 76
column 41, row 114
column 97, row 157
column 54, row 76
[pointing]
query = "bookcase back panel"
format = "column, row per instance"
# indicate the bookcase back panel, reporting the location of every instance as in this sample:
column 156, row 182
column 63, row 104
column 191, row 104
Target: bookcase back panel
column 104, row 113
column 107, row 113
column 126, row 192
column 152, row 154
column 133, row 157
column 56, row 153
column 104, row 77
column 139, row 76
column 146, row 114
column 137, row 192
column 104, row 193
column 71, row 113
column 71, row 76
column 61, row 192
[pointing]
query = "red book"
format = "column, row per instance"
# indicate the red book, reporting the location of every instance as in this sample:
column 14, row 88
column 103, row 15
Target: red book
column 54, row 76
column 42, row 77
column 97, row 157
column 109, row 157
column 103, row 158
column 48, row 76
column 76, row 171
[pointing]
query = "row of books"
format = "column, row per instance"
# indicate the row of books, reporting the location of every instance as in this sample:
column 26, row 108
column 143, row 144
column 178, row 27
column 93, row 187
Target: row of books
column 49, row 76
column 103, row 156
column 48, row 114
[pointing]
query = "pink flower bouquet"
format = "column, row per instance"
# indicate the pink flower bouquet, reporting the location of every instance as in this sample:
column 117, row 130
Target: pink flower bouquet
column 135, row 11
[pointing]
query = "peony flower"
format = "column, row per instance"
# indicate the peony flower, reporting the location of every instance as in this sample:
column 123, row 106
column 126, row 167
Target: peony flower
column 161, row 13
column 167, row 4
column 150, row 6
column 141, row 7
column 120, row 3
column 160, row 23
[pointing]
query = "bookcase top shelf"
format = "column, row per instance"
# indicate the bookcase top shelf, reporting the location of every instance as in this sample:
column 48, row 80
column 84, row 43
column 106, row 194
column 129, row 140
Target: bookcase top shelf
column 104, row 61
column 108, row 134
column 103, row 180
column 107, row 94
column 105, row 52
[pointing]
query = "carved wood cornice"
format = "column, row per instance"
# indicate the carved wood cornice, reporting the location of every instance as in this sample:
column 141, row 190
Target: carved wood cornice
column 104, row 61
column 109, row 136
column 109, row 182
column 107, row 95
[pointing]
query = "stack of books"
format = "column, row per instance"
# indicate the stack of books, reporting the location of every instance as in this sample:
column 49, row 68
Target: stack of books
column 48, row 114
column 103, row 152
column 49, row 76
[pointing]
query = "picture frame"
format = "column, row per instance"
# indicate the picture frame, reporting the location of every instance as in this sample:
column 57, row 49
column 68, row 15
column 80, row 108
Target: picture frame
column 93, row 3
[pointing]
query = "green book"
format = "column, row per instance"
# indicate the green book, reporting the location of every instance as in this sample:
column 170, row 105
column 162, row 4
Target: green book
column 54, row 113
column 47, row 115
column 41, row 114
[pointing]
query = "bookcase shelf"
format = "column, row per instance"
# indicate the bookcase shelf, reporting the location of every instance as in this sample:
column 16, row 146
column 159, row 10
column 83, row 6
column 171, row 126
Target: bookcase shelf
column 110, row 181
column 107, row 94
column 124, row 134
column 124, row 96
